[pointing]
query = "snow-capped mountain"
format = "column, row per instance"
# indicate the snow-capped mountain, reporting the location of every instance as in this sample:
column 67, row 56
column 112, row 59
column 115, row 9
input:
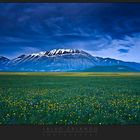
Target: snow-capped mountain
column 60, row 60
column 54, row 60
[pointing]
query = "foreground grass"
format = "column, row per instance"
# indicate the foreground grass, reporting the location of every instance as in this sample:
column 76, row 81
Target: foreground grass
column 69, row 98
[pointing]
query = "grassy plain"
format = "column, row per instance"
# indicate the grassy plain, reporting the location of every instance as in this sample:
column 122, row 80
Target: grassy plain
column 69, row 98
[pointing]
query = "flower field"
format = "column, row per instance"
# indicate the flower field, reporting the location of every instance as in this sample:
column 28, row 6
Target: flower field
column 69, row 98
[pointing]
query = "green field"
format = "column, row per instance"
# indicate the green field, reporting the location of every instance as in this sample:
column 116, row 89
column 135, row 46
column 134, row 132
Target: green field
column 69, row 98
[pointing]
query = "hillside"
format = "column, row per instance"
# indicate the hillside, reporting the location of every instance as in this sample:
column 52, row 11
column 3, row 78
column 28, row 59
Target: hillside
column 110, row 69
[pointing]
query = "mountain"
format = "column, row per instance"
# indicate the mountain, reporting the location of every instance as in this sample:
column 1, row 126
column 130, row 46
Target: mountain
column 115, row 68
column 111, row 62
column 54, row 60
column 61, row 60
column 3, row 62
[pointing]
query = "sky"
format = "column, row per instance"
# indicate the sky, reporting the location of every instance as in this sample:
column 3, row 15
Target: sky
column 102, row 29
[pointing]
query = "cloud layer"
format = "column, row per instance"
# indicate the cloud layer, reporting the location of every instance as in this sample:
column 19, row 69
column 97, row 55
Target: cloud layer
column 109, row 30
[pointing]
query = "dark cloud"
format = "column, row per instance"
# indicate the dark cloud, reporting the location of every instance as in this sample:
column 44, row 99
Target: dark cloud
column 123, row 50
column 47, row 26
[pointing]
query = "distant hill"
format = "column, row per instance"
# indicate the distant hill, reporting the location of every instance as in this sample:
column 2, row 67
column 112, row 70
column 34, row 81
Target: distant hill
column 110, row 69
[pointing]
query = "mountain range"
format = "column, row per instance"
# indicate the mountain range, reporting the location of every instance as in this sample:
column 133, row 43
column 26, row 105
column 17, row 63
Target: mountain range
column 65, row 60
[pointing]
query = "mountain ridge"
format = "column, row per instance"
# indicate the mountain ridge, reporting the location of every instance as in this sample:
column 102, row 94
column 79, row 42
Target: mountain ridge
column 60, row 60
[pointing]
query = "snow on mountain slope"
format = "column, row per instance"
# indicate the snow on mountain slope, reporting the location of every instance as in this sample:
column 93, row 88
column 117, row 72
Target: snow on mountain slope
column 56, row 52
column 52, row 53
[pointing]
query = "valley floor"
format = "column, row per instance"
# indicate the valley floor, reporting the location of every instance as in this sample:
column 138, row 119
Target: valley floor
column 69, row 98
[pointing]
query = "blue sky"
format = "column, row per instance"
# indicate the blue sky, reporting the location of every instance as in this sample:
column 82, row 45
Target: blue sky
column 102, row 29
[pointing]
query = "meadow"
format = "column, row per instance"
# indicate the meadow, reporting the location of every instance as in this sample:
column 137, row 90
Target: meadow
column 69, row 98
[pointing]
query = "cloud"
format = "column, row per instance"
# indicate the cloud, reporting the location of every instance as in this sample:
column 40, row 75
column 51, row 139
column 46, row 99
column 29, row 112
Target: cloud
column 126, row 49
column 123, row 50
column 107, row 29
